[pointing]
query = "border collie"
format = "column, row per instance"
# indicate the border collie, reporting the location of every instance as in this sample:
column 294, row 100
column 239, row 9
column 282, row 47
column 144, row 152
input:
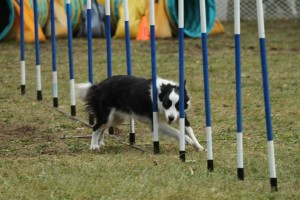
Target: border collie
column 120, row 97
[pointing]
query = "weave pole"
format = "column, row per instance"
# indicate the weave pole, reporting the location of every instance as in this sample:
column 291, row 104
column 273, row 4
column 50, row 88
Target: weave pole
column 108, row 47
column 154, row 86
column 181, row 80
column 129, row 66
column 210, row 163
column 53, row 45
column 238, row 82
column 90, row 49
column 37, row 51
column 264, row 67
column 108, row 38
column 22, row 49
column 71, row 66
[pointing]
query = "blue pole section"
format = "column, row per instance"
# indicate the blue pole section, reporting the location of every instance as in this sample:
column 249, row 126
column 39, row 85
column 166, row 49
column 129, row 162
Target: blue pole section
column 210, row 165
column 108, row 46
column 154, row 79
column 71, row 66
column 53, row 45
column 153, row 65
column 108, row 39
column 90, row 50
column 129, row 66
column 264, row 67
column 206, row 79
column 22, row 48
column 181, row 80
column 90, row 47
column 238, row 84
column 265, row 77
column 37, row 51
column 128, row 54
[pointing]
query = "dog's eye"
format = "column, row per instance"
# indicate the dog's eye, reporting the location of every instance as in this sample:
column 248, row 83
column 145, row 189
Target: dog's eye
column 186, row 106
column 177, row 106
column 167, row 104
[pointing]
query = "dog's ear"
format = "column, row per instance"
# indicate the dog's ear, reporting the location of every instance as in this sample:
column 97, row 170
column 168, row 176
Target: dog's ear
column 162, row 89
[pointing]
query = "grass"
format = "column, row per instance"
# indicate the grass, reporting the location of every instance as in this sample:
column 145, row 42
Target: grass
column 37, row 164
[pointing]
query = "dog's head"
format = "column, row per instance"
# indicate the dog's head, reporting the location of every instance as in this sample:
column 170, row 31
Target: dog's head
column 169, row 100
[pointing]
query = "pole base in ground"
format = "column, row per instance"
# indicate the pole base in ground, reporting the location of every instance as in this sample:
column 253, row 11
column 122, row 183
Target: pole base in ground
column 274, row 186
column 55, row 102
column 210, row 165
column 73, row 110
column 91, row 119
column 182, row 156
column 131, row 138
column 156, row 147
column 23, row 90
column 111, row 131
column 39, row 95
column 240, row 173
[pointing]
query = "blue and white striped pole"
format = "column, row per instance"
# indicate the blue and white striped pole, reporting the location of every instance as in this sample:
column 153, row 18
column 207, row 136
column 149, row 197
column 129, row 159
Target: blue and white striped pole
column 71, row 66
column 53, row 44
column 37, row 51
column 90, row 49
column 128, row 59
column 154, row 86
column 237, row 30
column 22, row 49
column 108, row 47
column 181, row 80
column 210, row 164
column 108, row 38
column 264, row 67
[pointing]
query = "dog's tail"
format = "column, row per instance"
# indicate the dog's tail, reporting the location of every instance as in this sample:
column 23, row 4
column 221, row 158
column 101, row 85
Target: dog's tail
column 82, row 90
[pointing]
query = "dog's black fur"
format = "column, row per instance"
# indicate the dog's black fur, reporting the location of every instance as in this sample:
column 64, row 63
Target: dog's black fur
column 126, row 96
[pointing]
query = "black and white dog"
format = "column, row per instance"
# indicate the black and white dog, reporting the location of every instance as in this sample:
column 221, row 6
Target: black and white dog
column 120, row 97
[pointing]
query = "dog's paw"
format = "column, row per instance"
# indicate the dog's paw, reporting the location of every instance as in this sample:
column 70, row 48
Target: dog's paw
column 199, row 147
column 188, row 140
column 94, row 147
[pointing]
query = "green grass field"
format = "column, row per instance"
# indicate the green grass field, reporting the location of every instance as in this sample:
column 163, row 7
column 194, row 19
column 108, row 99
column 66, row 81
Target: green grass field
column 35, row 163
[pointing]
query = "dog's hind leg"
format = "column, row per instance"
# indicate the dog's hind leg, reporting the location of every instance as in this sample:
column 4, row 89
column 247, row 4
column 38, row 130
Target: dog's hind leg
column 170, row 131
column 190, row 133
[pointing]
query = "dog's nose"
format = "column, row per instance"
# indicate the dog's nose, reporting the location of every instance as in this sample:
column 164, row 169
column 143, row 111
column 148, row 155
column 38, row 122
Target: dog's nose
column 171, row 118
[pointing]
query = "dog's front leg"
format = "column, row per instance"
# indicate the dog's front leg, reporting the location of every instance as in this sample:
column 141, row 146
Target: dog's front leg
column 172, row 132
column 95, row 137
column 190, row 133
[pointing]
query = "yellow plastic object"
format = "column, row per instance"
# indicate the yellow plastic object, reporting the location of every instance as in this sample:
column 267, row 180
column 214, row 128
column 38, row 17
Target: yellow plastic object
column 61, row 26
column 218, row 28
column 102, row 2
column 162, row 25
column 136, row 9
column 28, row 23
